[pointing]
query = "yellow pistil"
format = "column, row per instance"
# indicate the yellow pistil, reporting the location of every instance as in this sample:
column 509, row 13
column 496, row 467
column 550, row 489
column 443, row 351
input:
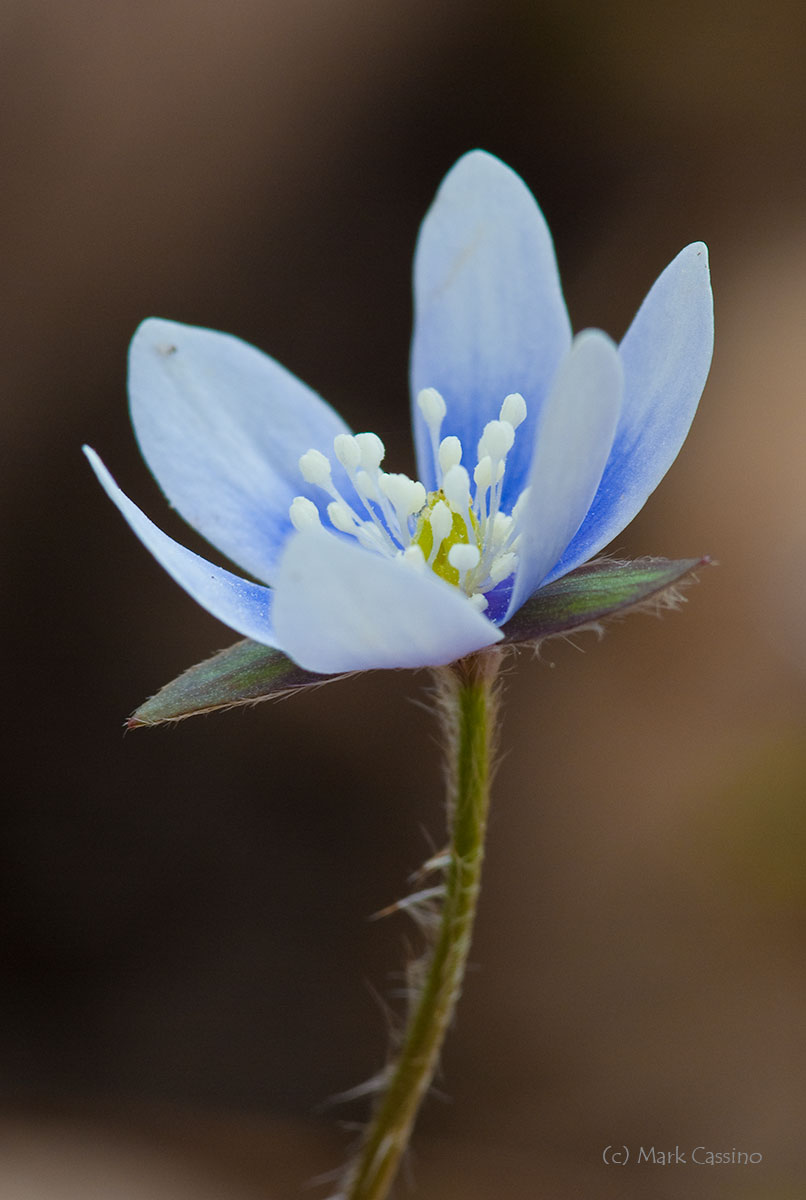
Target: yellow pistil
column 463, row 531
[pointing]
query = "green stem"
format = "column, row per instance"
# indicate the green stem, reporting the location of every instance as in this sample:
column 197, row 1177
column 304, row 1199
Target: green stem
column 466, row 702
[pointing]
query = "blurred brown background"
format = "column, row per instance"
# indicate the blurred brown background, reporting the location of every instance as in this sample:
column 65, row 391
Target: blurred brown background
column 187, row 966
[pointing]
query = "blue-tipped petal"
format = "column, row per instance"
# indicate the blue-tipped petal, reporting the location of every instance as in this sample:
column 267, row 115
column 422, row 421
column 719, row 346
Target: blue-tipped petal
column 574, row 440
column 489, row 316
column 222, row 427
column 338, row 607
column 244, row 606
column 666, row 355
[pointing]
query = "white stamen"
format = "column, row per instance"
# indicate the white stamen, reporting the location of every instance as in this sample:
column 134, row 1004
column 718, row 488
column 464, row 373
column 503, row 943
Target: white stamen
column 433, row 408
column 478, row 601
column 503, row 566
column 342, row 516
column 502, row 527
column 347, row 451
column 450, row 454
column 366, row 487
column 373, row 537
column 413, row 556
column 464, row 557
column 483, row 474
column 304, row 514
column 441, row 523
column 407, row 495
column 456, row 486
column 496, row 440
column 513, row 409
column 315, row 468
column 372, row 450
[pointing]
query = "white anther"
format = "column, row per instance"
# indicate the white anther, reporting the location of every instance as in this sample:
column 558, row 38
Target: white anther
column 303, row 513
column 502, row 527
column 441, row 522
column 513, row 409
column 503, row 566
column 478, row 601
column 413, row 556
column 372, row 450
column 366, row 486
column 456, row 486
column 347, row 451
column 464, row 557
column 407, row 495
column 372, row 537
column 315, row 468
column 496, row 440
column 450, row 454
column 342, row 516
column 483, row 474
column 433, row 408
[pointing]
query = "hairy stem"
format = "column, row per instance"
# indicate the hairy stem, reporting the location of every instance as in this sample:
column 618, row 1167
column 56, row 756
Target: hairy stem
column 466, row 703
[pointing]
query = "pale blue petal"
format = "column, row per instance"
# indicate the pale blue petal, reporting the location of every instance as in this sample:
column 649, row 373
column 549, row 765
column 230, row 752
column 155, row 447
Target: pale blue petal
column 666, row 355
column 338, row 607
column 574, row 440
column 489, row 316
column 222, row 427
column 244, row 606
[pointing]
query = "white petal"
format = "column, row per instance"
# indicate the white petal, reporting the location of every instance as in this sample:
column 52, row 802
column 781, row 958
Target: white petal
column 242, row 605
column 489, row 313
column 574, row 440
column 222, row 427
column 338, row 607
column 666, row 355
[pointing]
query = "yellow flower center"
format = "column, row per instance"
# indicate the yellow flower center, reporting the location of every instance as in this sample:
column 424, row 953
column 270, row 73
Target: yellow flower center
column 462, row 531
column 458, row 531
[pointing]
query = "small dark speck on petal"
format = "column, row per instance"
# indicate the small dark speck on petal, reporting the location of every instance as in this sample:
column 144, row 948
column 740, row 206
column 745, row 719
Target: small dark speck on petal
column 166, row 350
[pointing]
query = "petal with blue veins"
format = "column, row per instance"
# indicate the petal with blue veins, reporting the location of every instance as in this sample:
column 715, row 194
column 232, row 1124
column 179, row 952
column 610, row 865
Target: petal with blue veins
column 222, row 427
column 574, row 439
column 338, row 607
column 666, row 355
column 244, row 606
column 489, row 315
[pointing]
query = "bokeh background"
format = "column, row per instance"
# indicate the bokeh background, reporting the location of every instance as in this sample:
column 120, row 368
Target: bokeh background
column 188, row 971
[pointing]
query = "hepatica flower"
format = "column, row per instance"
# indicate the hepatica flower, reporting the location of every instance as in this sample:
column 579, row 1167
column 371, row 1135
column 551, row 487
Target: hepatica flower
column 534, row 448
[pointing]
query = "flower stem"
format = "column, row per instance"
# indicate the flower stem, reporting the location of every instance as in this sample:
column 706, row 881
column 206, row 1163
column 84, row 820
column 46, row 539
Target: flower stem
column 466, row 701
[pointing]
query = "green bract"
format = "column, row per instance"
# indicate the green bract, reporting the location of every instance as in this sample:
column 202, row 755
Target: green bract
column 248, row 672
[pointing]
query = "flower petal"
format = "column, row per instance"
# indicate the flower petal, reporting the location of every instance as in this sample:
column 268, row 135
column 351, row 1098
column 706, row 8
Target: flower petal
column 489, row 316
column 574, row 440
column 244, row 606
column 666, row 355
column 222, row 427
column 338, row 607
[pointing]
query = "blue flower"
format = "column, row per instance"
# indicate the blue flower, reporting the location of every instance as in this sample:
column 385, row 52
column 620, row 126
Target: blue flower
column 534, row 448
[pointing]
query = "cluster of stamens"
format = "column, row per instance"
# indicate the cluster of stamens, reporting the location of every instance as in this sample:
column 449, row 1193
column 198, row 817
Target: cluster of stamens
column 458, row 531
